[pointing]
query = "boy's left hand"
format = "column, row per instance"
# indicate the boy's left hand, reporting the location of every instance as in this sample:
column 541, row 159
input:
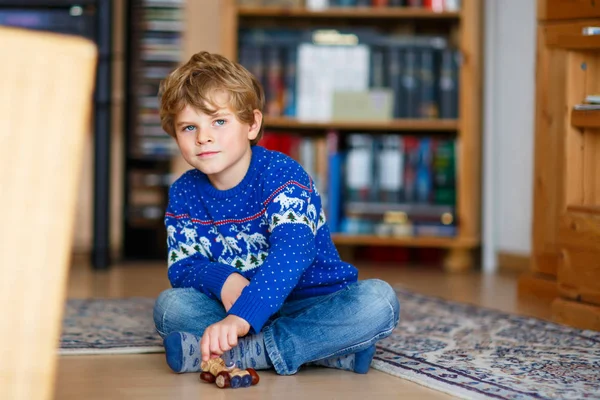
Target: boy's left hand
column 222, row 336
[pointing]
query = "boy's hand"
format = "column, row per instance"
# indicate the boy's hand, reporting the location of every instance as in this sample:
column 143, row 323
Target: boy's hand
column 222, row 336
column 232, row 289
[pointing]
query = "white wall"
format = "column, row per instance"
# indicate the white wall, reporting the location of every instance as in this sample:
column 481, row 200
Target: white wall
column 510, row 35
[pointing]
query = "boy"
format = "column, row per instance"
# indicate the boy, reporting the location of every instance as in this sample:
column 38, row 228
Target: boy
column 256, row 277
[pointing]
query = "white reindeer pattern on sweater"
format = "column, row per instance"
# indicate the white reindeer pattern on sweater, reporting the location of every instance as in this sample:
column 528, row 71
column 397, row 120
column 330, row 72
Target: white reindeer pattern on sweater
column 243, row 245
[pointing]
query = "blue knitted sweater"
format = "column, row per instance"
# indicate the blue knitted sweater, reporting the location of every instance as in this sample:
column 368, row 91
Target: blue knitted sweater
column 270, row 228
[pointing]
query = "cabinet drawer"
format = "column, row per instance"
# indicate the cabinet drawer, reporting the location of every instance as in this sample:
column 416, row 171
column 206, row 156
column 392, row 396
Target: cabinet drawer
column 578, row 35
column 568, row 9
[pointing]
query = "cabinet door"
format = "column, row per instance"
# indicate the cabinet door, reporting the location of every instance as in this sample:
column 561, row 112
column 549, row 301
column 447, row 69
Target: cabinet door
column 568, row 9
column 579, row 228
column 578, row 273
column 567, row 71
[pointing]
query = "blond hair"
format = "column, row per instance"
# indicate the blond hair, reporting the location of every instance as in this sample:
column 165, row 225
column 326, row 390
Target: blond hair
column 196, row 82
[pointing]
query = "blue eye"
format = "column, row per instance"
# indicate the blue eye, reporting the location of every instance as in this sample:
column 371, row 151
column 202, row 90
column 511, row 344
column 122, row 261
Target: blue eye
column 189, row 128
column 220, row 122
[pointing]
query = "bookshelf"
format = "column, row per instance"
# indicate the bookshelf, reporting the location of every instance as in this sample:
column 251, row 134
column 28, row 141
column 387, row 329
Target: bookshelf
column 398, row 125
column 370, row 240
column 154, row 41
column 463, row 29
column 91, row 19
column 354, row 12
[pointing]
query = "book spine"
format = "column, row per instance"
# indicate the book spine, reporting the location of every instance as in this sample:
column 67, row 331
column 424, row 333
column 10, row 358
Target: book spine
column 423, row 177
column 410, row 84
column 390, row 168
column 359, row 166
column 448, row 84
column 289, row 102
column 428, row 107
column 274, row 89
column 395, row 79
column 411, row 160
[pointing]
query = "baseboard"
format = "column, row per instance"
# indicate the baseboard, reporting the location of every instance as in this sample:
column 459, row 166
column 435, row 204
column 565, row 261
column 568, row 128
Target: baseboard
column 576, row 314
column 540, row 286
column 82, row 257
column 512, row 262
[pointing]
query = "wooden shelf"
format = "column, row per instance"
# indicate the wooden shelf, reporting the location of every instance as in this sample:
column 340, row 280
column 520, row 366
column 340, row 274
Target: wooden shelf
column 587, row 209
column 585, row 118
column 394, row 125
column 354, row 12
column 436, row 242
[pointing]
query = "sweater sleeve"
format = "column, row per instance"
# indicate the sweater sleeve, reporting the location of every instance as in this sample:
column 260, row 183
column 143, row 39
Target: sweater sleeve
column 190, row 262
column 292, row 222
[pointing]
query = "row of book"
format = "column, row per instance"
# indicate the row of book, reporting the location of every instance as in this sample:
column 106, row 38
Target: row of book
column 384, row 184
column 434, row 5
column 399, row 186
column 160, row 50
column 164, row 3
column 159, row 45
column 305, row 72
column 590, row 103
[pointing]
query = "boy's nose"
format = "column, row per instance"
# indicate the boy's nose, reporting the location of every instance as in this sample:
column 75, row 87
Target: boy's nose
column 203, row 137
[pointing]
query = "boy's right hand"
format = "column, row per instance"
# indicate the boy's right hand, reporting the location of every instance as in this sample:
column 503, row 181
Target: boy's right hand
column 232, row 289
column 222, row 336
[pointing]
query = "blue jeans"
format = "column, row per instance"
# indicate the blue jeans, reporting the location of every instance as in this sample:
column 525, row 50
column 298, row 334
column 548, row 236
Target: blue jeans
column 344, row 322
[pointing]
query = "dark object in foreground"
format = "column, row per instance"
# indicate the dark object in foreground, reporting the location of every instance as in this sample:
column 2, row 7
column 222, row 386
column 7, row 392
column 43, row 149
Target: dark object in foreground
column 224, row 376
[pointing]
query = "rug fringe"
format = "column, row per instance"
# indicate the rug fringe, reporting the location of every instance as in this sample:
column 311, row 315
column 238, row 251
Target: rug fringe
column 115, row 350
column 452, row 390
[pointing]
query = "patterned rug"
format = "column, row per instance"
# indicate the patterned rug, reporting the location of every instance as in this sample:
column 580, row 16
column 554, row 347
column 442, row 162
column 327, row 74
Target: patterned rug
column 109, row 326
column 463, row 350
column 477, row 353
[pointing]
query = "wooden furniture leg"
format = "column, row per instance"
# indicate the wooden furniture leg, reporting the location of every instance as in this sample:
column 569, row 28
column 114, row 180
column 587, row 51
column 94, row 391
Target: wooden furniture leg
column 458, row 260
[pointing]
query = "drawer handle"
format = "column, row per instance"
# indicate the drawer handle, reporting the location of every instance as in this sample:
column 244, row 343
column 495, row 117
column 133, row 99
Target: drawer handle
column 590, row 31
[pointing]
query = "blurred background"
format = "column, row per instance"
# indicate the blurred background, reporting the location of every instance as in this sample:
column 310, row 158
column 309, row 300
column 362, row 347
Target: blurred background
column 415, row 117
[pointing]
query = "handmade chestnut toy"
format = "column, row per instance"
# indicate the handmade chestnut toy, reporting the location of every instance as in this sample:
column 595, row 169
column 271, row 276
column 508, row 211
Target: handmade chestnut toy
column 224, row 376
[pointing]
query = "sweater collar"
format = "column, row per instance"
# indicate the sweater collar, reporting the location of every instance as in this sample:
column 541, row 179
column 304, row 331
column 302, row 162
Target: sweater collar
column 257, row 163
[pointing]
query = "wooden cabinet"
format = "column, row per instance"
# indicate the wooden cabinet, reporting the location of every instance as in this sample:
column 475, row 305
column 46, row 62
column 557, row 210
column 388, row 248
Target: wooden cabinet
column 566, row 225
column 567, row 9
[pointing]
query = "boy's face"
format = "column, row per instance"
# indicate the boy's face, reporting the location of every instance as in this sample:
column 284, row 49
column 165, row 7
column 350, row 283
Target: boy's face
column 217, row 145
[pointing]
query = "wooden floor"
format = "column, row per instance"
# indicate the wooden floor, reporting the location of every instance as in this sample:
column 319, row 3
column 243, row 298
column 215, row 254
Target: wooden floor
column 148, row 377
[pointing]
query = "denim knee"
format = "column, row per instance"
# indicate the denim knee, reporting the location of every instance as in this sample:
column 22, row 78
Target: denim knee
column 385, row 298
column 161, row 306
column 186, row 310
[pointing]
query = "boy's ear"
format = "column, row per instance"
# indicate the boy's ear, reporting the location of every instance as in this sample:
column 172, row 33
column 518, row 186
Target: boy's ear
column 255, row 126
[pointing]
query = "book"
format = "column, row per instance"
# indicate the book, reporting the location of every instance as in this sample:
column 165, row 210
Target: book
column 359, row 166
column 444, row 172
column 395, row 78
column 586, row 107
column 423, row 179
column 324, row 69
column 274, row 91
column 428, row 105
column 411, row 160
column 390, row 169
column 448, row 84
column 432, row 213
column 410, row 84
column 592, row 98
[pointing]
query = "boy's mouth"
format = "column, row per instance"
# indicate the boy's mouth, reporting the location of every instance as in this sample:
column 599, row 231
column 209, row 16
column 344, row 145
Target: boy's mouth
column 207, row 154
